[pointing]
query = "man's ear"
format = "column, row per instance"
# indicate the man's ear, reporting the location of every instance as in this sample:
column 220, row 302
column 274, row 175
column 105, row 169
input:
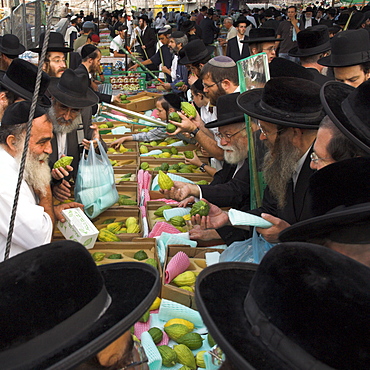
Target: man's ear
column 11, row 142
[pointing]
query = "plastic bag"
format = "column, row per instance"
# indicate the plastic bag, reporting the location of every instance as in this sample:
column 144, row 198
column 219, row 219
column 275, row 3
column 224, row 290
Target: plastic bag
column 251, row 250
column 95, row 187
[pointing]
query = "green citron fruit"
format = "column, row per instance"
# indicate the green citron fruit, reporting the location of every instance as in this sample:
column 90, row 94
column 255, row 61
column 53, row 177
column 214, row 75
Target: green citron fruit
column 189, row 154
column 174, row 116
column 143, row 149
column 164, row 181
column 151, row 261
column 98, row 256
column 202, row 182
column 144, row 166
column 188, row 109
column 200, row 208
column 156, row 334
column 169, row 357
column 176, row 331
column 191, row 340
column 140, row 255
column 185, row 356
column 159, row 211
column 115, row 256
column 145, row 317
column 179, row 84
column 177, row 221
column 63, row 162
column 170, row 128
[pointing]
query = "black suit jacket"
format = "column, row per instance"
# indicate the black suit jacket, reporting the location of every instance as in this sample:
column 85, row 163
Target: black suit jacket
column 226, row 190
column 81, row 69
column 233, row 52
column 318, row 77
column 302, row 22
column 149, row 39
column 209, row 30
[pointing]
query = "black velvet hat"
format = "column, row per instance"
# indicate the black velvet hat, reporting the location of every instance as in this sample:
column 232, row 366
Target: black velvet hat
column 56, row 43
column 18, row 113
column 173, row 100
column 187, row 26
column 73, row 90
column 59, row 309
column 287, row 101
column 261, row 35
column 306, row 307
column 87, row 50
column 241, row 19
column 348, row 48
column 228, row 111
column 10, row 45
column 20, row 78
column 341, row 203
column 348, row 108
column 195, row 51
column 281, row 67
column 311, row 41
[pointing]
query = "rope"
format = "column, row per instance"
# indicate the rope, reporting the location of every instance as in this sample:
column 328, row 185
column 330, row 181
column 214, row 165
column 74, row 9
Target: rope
column 28, row 133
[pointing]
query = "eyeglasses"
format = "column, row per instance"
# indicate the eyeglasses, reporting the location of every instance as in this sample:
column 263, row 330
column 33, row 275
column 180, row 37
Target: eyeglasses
column 217, row 356
column 57, row 60
column 227, row 137
column 137, row 352
column 271, row 48
column 268, row 134
column 315, row 158
column 209, row 86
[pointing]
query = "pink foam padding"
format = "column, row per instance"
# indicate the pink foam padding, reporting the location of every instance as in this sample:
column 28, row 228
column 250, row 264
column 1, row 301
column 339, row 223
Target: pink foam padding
column 162, row 227
column 178, row 264
column 140, row 327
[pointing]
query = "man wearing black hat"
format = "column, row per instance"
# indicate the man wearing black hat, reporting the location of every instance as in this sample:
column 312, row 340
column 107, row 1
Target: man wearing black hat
column 341, row 210
column 288, row 112
column 10, row 48
column 270, row 22
column 236, row 49
column 262, row 40
column 55, row 59
column 192, row 30
column 146, row 38
column 36, row 215
column 307, row 19
column 313, row 44
column 350, row 57
column 209, row 30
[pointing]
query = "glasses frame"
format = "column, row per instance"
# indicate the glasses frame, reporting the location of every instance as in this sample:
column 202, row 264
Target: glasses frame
column 205, row 86
column 227, row 137
column 272, row 133
column 143, row 358
column 315, row 158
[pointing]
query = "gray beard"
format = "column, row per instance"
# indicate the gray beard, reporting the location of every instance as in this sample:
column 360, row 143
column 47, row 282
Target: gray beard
column 279, row 165
column 60, row 126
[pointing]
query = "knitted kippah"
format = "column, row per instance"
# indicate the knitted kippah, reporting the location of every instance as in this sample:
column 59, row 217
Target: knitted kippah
column 222, row 61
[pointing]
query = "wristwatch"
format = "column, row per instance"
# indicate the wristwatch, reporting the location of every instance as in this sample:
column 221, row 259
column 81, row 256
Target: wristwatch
column 201, row 167
column 193, row 133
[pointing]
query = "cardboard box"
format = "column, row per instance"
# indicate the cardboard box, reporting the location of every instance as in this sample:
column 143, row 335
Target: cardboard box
column 197, row 264
column 151, row 207
column 78, row 227
column 141, row 102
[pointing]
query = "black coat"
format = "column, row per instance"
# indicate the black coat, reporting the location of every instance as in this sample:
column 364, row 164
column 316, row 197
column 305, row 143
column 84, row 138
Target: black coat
column 149, row 39
column 233, row 52
column 318, row 77
column 302, row 22
column 209, row 30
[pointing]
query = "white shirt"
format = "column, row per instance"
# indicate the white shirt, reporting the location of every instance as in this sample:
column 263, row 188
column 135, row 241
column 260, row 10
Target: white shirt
column 240, row 44
column 299, row 167
column 33, row 227
column 116, row 44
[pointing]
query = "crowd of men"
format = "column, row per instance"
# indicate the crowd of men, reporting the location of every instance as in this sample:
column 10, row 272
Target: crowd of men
column 307, row 304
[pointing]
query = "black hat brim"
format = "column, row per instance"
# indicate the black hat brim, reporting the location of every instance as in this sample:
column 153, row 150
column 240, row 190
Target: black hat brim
column 249, row 101
column 320, row 226
column 21, row 49
column 57, row 48
column 227, row 322
column 225, row 122
column 338, row 91
column 297, row 52
column 133, row 286
column 260, row 39
column 67, row 99
column 185, row 60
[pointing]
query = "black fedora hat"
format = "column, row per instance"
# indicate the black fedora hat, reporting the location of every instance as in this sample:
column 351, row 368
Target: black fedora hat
column 261, row 35
column 195, row 51
column 56, row 43
column 281, row 67
column 228, row 111
column 306, row 307
column 20, row 78
column 340, row 202
column 241, row 19
column 187, row 26
column 144, row 17
column 63, row 309
column 287, row 101
column 348, row 48
column 311, row 41
column 348, row 108
column 10, row 45
column 73, row 90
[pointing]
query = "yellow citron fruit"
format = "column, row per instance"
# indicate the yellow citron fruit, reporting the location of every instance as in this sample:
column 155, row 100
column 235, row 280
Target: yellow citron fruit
column 164, row 181
column 155, row 305
column 187, row 217
column 187, row 323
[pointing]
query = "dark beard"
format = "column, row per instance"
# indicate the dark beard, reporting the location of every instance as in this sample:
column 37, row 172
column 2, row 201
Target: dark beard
column 279, row 165
column 213, row 98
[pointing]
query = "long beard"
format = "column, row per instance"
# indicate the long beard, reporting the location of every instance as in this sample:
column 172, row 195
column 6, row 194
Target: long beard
column 239, row 152
column 60, row 125
column 37, row 174
column 279, row 165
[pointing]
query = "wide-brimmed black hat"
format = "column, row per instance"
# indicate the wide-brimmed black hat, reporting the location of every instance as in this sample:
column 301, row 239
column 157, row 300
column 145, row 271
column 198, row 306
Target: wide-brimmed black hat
column 311, row 41
column 73, row 90
column 56, row 43
column 340, row 202
column 187, row 26
column 195, row 51
column 348, row 48
column 10, row 45
column 20, row 78
column 144, row 17
column 241, row 19
column 286, row 101
column 62, row 309
column 228, row 111
column 261, row 35
column 306, row 307
column 281, row 67
column 348, row 108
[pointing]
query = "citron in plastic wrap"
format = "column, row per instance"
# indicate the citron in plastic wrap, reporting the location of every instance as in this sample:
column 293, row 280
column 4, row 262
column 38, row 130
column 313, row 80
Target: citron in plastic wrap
column 164, row 181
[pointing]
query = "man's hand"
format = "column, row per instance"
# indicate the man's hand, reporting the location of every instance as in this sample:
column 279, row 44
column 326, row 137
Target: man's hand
column 180, row 191
column 166, row 70
column 192, row 78
column 197, row 233
column 116, row 143
column 61, row 172
column 216, row 218
column 166, row 86
column 134, row 67
column 186, row 124
column 184, row 203
column 62, row 191
column 195, row 160
column 272, row 233
column 95, row 136
column 58, row 209
column 117, row 98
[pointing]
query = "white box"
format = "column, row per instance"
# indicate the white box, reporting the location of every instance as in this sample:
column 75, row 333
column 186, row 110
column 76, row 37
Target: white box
column 78, row 227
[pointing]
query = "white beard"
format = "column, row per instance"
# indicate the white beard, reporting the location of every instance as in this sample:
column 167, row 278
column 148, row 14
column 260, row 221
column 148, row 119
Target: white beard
column 60, row 125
